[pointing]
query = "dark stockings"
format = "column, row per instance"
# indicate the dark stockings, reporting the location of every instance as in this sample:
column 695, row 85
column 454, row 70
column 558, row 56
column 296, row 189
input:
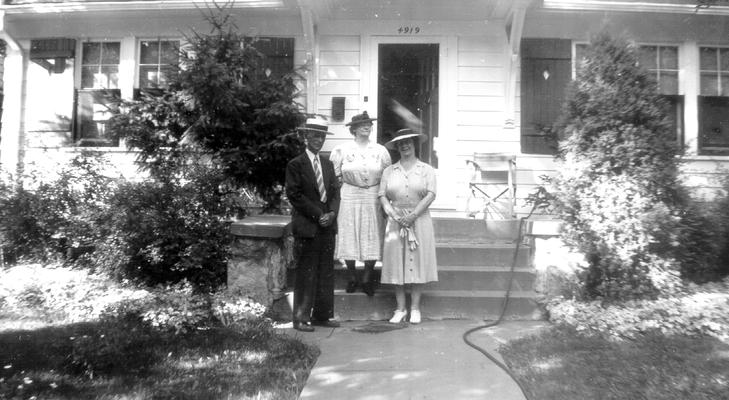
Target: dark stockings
column 367, row 276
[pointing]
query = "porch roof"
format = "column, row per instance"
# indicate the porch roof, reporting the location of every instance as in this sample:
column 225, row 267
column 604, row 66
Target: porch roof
column 708, row 7
column 464, row 10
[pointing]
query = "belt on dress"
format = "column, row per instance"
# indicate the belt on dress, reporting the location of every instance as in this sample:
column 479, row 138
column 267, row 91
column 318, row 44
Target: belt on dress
column 362, row 187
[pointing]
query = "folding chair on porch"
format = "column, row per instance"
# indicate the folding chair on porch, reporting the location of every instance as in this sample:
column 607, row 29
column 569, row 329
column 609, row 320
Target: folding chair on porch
column 492, row 185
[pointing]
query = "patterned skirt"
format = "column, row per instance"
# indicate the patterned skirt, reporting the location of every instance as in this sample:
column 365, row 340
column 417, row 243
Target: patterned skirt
column 360, row 224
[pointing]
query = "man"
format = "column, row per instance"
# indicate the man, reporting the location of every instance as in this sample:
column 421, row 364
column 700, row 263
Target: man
column 313, row 192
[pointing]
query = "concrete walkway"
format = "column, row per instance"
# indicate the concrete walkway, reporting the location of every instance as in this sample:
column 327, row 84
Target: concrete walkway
column 425, row 361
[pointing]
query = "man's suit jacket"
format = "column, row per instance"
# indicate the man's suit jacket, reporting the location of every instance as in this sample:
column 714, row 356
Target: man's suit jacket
column 303, row 194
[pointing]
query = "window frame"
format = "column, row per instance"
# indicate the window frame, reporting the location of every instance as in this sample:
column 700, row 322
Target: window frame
column 79, row 90
column 100, row 65
column 139, row 65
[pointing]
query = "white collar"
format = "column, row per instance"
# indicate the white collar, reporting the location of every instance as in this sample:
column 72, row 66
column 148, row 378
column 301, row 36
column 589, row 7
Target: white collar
column 312, row 156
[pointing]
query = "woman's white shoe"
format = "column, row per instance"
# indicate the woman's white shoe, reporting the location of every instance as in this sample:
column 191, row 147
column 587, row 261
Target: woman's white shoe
column 398, row 317
column 414, row 316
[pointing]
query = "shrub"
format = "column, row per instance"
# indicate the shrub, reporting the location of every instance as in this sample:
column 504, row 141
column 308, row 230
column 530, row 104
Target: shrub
column 172, row 229
column 175, row 309
column 42, row 217
column 617, row 187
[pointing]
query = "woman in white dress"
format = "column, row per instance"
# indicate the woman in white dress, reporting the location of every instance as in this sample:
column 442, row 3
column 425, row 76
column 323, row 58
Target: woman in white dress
column 407, row 189
column 359, row 165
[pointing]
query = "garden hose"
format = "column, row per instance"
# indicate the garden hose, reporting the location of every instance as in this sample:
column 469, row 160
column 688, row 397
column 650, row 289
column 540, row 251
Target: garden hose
column 504, row 304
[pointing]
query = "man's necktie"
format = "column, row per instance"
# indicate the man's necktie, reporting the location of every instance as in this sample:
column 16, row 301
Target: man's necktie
column 320, row 181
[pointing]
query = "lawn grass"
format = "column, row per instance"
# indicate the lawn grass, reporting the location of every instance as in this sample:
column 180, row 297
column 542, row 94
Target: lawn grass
column 562, row 364
column 125, row 360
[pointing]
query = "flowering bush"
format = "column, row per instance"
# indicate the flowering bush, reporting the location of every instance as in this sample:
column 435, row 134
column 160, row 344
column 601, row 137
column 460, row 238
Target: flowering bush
column 698, row 310
column 617, row 188
column 231, row 309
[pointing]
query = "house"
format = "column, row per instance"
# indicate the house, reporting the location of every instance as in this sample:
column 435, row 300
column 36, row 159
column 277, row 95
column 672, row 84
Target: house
column 485, row 76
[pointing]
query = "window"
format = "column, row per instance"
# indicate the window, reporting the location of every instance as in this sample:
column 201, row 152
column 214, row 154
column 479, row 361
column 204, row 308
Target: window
column 99, row 93
column 714, row 101
column 158, row 60
column 662, row 62
column 100, row 65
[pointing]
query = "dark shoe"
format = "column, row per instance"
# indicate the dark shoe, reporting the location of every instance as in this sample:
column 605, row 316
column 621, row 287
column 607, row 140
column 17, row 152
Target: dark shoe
column 303, row 327
column 327, row 324
column 352, row 286
column 368, row 288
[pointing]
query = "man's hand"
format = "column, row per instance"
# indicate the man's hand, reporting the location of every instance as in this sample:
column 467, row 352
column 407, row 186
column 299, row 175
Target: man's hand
column 326, row 219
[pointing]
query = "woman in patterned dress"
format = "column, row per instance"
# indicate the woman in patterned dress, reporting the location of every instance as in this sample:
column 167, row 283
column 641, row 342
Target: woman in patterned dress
column 406, row 191
column 359, row 165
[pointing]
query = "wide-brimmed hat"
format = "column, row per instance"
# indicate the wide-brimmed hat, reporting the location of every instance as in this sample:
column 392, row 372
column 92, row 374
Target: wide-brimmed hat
column 403, row 134
column 316, row 124
column 360, row 119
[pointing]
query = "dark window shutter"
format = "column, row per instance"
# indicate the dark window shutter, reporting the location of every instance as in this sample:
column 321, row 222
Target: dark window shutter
column 279, row 54
column 546, row 70
column 713, row 125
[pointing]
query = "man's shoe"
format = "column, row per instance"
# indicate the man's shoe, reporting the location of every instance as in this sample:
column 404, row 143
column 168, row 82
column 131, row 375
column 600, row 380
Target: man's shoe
column 303, row 327
column 327, row 324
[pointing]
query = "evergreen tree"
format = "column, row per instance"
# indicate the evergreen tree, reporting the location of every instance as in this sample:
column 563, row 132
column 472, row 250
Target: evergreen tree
column 223, row 104
column 617, row 187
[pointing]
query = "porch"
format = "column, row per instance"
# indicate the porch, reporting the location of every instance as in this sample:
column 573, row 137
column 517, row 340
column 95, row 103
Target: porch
column 479, row 263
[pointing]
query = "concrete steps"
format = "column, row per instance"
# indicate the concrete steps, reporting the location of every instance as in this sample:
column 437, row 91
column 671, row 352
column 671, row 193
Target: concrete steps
column 474, row 261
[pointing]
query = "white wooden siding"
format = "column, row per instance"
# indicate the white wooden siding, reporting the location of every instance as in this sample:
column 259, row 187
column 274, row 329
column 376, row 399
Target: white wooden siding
column 340, row 75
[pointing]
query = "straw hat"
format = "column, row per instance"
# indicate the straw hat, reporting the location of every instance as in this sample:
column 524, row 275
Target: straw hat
column 403, row 134
column 316, row 124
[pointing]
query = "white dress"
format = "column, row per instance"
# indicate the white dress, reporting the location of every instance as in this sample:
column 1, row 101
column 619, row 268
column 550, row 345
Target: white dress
column 360, row 220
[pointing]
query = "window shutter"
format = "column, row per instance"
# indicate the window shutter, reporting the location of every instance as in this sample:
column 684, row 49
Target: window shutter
column 545, row 74
column 279, row 54
column 713, row 125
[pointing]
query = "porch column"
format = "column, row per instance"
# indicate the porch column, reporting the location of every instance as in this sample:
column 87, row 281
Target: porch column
column 311, row 44
column 514, row 29
column 12, row 140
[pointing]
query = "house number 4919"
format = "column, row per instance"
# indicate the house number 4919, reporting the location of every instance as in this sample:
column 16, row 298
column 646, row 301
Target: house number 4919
column 408, row 29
